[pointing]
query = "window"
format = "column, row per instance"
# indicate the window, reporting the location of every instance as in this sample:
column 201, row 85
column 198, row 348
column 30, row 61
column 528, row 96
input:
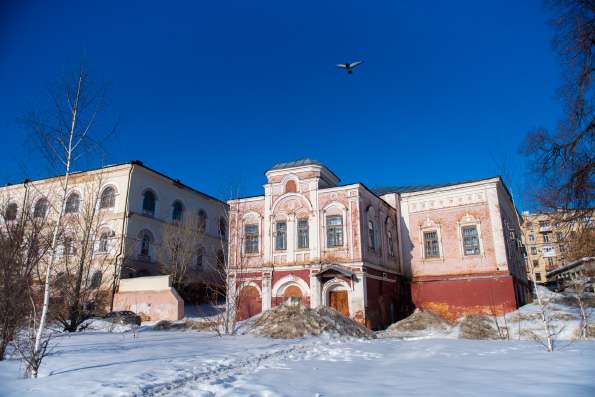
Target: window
column 222, row 228
column 532, row 238
column 562, row 248
column 69, row 247
column 281, row 236
column 145, row 245
column 470, row 240
column 546, row 238
column 334, row 231
column 431, row 245
column 10, row 214
column 149, row 200
column 290, row 187
column 533, row 250
column 103, row 242
column 391, row 248
column 72, row 203
column 371, row 236
column 199, row 257
column 535, row 263
column 177, row 211
column 202, row 220
column 303, row 233
column 108, row 198
column 96, row 280
column 550, row 263
column 544, row 223
column 538, row 276
column 559, row 236
column 41, row 208
column 251, row 239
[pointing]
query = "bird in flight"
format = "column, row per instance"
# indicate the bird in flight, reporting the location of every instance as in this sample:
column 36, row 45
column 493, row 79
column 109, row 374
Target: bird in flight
column 349, row 66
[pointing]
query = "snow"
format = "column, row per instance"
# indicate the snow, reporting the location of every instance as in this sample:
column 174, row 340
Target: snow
column 190, row 363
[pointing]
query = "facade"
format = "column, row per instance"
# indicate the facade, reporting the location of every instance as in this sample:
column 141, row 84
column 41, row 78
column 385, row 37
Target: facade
column 133, row 205
column 548, row 242
column 462, row 247
column 309, row 239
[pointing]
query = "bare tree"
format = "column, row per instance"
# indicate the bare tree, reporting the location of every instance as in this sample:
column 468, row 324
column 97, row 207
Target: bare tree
column 87, row 256
column 65, row 137
column 547, row 338
column 23, row 242
column 563, row 159
column 180, row 248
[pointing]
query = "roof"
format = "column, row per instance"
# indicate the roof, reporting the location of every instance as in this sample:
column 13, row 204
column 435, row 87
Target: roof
column 177, row 182
column 418, row 188
column 296, row 163
column 570, row 266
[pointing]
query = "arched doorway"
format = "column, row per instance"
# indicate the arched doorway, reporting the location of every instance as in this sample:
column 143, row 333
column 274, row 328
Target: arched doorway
column 292, row 295
column 337, row 297
column 250, row 302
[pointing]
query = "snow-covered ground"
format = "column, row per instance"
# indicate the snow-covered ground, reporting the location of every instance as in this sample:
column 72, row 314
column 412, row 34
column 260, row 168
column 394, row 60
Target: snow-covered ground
column 190, row 363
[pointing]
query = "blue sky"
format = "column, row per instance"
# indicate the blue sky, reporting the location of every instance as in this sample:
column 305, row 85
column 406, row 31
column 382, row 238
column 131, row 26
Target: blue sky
column 215, row 93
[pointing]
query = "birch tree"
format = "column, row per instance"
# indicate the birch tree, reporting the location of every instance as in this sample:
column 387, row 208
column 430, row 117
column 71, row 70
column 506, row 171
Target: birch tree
column 65, row 135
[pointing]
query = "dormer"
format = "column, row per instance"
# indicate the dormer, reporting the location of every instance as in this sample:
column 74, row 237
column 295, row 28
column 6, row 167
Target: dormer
column 289, row 177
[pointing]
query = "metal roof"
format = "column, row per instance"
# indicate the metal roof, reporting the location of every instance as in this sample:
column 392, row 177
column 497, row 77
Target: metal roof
column 296, row 163
column 418, row 188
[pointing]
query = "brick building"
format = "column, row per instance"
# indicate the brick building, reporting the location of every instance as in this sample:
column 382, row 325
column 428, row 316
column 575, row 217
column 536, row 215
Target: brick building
column 454, row 249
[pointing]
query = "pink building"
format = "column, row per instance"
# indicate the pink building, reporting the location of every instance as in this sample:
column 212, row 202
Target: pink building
column 308, row 239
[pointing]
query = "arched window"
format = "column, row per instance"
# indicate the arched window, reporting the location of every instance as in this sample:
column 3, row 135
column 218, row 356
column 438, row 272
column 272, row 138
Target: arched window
column 103, row 242
column 200, row 252
column 149, row 200
column 371, row 235
column 177, row 211
column 290, row 187
column 96, row 279
column 202, row 220
column 72, row 203
column 108, row 198
column 222, row 227
column 10, row 214
column 146, row 239
column 41, row 208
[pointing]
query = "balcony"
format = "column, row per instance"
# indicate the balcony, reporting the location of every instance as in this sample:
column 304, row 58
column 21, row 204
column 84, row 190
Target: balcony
column 545, row 229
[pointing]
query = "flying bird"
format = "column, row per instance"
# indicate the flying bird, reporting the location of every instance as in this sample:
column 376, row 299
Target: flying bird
column 349, row 66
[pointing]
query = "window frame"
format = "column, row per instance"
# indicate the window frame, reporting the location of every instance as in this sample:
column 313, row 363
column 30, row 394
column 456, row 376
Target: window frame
column 46, row 207
column 251, row 239
column 476, row 237
column 68, row 209
column 371, row 235
column 112, row 198
column 149, row 212
column 337, row 231
column 438, row 245
column 303, row 233
column 280, row 235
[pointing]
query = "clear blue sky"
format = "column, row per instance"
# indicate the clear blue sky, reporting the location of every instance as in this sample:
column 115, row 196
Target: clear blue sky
column 217, row 92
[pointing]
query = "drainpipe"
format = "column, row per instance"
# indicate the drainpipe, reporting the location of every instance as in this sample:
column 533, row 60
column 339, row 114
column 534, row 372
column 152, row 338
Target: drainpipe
column 124, row 228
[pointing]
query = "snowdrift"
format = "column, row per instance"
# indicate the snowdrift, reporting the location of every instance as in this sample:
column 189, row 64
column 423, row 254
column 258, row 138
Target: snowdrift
column 522, row 324
column 289, row 322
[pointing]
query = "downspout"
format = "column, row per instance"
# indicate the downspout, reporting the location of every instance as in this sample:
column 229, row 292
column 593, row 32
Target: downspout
column 124, row 228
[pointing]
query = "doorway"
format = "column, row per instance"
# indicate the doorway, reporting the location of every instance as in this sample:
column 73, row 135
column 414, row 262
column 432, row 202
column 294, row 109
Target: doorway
column 338, row 301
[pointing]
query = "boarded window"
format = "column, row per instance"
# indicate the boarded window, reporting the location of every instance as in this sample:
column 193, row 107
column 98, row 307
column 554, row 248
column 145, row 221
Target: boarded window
column 290, row 187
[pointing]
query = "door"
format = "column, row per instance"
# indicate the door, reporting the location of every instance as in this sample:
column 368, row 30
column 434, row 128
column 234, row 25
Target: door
column 338, row 301
column 250, row 303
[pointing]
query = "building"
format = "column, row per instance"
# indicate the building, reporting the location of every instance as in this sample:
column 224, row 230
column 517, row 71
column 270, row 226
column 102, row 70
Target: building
column 578, row 273
column 548, row 241
column 360, row 251
column 132, row 205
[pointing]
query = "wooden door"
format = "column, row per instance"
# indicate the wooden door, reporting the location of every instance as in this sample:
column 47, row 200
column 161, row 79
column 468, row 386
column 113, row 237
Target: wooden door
column 338, row 301
column 250, row 303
